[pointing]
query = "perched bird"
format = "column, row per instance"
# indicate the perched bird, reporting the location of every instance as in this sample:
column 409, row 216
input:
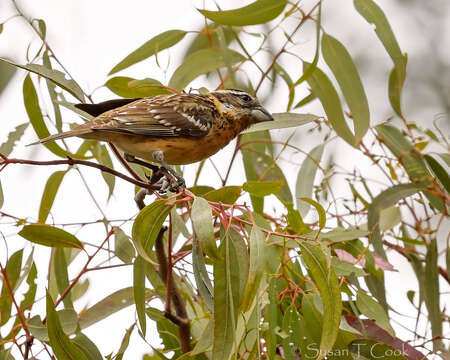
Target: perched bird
column 171, row 129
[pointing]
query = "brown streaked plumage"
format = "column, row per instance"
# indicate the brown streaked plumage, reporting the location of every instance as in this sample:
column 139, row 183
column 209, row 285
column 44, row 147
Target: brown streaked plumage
column 171, row 129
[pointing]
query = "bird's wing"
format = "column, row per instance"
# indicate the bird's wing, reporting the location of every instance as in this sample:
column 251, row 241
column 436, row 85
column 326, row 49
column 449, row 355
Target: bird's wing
column 174, row 115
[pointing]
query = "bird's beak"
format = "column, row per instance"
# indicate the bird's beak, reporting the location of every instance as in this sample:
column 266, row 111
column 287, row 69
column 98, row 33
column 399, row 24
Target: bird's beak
column 260, row 114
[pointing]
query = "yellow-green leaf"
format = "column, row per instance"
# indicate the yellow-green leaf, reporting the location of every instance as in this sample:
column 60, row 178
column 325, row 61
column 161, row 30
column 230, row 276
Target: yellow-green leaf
column 151, row 47
column 344, row 70
column 258, row 12
column 50, row 236
column 326, row 93
column 201, row 216
column 201, row 62
column 48, row 197
column 131, row 88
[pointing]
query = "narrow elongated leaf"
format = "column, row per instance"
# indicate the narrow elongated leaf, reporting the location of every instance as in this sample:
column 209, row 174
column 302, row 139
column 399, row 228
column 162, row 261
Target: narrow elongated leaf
column 325, row 91
column 374, row 311
column 67, row 318
column 439, row 171
column 282, row 121
column 125, row 342
column 62, row 346
column 411, row 160
column 151, row 47
column 305, row 178
column 320, row 210
column 123, row 248
column 431, row 291
column 263, row 188
column 146, row 227
column 201, row 216
column 131, row 88
column 226, row 195
column 139, row 291
column 62, row 277
column 12, row 269
column 202, row 279
column 87, row 347
column 374, row 15
column 258, row 12
column 37, row 120
column 2, row 199
column 384, row 200
column 50, row 236
column 226, row 299
column 109, row 305
column 7, row 147
column 7, row 71
column 327, row 283
column 345, row 72
column 52, row 92
column 102, row 155
column 201, row 62
column 371, row 349
column 255, row 273
column 58, row 77
column 48, row 197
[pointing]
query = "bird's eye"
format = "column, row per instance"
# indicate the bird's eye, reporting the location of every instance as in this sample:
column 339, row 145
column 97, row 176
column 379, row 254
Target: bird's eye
column 246, row 98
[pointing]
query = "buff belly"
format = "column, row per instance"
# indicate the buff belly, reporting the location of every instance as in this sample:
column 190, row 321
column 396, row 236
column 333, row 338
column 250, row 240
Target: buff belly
column 177, row 151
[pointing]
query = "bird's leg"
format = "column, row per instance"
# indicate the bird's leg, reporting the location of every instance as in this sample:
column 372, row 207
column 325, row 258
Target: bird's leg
column 159, row 157
column 156, row 170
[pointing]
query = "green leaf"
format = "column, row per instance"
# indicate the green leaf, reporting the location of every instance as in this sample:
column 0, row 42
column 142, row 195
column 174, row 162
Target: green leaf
column 202, row 279
column 67, row 318
column 258, row 12
column 125, row 342
column 153, row 46
column 58, row 77
column 37, row 120
column 13, row 267
column 89, row 349
column 131, row 88
column 374, row 311
column 205, row 340
column 282, row 121
column 52, row 92
column 263, row 188
column 102, row 155
column 146, row 227
column 7, row 147
column 389, row 217
column 123, row 248
column 209, row 34
column 374, row 15
column 439, row 172
column 6, row 71
column 2, row 199
column 324, row 90
column 327, row 283
column 48, row 197
column 139, row 291
column 226, row 195
column 305, row 178
column 411, row 160
column 256, row 270
column 49, row 236
column 62, row 346
column 395, row 92
column 386, row 199
column 320, row 211
column 109, row 305
column 201, row 62
column 295, row 221
column 279, row 70
column 201, row 216
column 342, row 268
column 226, row 299
column 431, row 291
column 62, row 277
column 347, row 76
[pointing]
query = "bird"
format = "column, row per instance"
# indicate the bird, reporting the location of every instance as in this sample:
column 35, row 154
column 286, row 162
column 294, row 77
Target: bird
column 170, row 129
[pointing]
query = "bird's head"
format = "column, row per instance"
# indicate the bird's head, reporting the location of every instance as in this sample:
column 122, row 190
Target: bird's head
column 241, row 105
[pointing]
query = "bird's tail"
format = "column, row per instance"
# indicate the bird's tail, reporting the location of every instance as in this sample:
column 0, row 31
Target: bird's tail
column 75, row 132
